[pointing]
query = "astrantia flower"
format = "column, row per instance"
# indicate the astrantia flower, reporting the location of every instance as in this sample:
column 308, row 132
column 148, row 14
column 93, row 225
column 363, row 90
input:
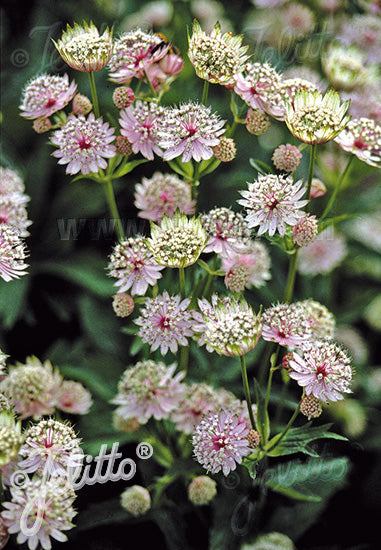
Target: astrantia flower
column 273, row 202
column 362, row 137
column 311, row 407
column 123, row 304
column 229, row 327
column 83, row 48
column 12, row 254
column 288, row 91
column 165, row 323
column 140, row 124
column 10, row 181
column 133, row 265
column 13, row 212
column 162, row 194
column 344, row 66
column 218, row 57
column 45, row 95
column 259, row 86
column 198, row 400
column 286, row 157
column 10, row 439
column 190, row 130
column 286, row 324
column 298, row 20
column 73, row 398
column 32, row 387
column 324, row 371
column 44, row 505
column 323, row 254
column 321, row 320
column 257, row 122
column 202, row 490
column 83, row 144
column 149, row 389
column 178, row 241
column 254, row 259
column 226, row 230
column 365, row 31
column 220, row 442
column 315, row 118
column 226, row 150
column 136, row 500
column 305, row 231
column 52, row 447
column 133, row 53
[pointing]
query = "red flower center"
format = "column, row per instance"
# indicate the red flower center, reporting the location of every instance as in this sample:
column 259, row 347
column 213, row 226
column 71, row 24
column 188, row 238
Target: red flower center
column 84, row 143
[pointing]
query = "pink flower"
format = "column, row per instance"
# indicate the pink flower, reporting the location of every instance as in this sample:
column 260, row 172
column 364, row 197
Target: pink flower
column 251, row 261
column 162, row 194
column 12, row 254
column 44, row 508
column 11, row 182
column 259, row 86
column 190, row 131
column 83, row 144
column 73, row 398
column 324, row 371
column 363, row 139
column 133, row 265
column 323, row 254
column 165, row 323
column 199, row 400
column 133, row 53
column 273, row 202
column 13, row 212
column 226, row 230
column 286, row 324
column 220, row 442
column 171, row 64
column 46, row 95
column 149, row 389
column 52, row 446
column 140, row 124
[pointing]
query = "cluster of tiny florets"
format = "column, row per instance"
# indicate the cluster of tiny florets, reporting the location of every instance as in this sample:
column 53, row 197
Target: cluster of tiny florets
column 286, row 157
column 123, row 97
column 257, row 121
column 202, row 490
column 81, row 105
column 136, row 500
column 286, row 324
column 226, row 230
column 123, row 304
column 311, row 407
column 247, row 266
column 321, row 320
column 362, row 137
column 46, row 95
column 305, row 231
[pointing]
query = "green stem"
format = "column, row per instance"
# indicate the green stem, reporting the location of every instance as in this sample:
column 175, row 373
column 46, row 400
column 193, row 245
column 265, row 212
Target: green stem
column 311, row 171
column 210, row 277
column 274, row 358
column 268, row 352
column 110, row 197
column 289, row 424
column 205, row 92
column 337, row 189
column 247, row 391
column 150, row 85
column 184, row 358
column 94, row 95
column 182, row 282
column 289, row 290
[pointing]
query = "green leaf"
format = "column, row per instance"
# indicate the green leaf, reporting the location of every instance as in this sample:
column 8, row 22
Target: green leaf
column 91, row 379
column 292, row 493
column 262, row 421
column 296, row 440
column 261, row 167
column 128, row 168
column 12, row 298
column 335, row 220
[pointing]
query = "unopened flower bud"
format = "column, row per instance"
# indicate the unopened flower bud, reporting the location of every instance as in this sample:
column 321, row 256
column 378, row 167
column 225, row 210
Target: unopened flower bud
column 318, row 189
column 311, row 407
column 10, row 441
column 81, row 105
column 257, row 122
column 136, row 500
column 286, row 157
column 202, row 490
column 271, row 541
column 226, row 150
column 126, row 425
column 253, row 438
column 41, row 125
column 305, row 231
column 285, row 360
column 123, row 146
column 123, row 97
column 123, row 304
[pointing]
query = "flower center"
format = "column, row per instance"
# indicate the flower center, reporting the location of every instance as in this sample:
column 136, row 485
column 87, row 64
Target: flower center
column 84, row 143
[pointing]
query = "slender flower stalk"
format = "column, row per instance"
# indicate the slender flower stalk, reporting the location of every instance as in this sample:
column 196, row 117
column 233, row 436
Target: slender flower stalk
column 111, row 202
column 337, row 189
column 284, row 432
column 292, row 268
column 311, row 170
column 94, row 94
column 246, row 390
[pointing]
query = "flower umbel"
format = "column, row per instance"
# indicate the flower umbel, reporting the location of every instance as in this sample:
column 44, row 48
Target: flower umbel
column 220, row 442
column 46, row 94
column 83, row 48
column 286, row 324
column 226, row 230
column 324, row 371
column 140, row 124
column 165, row 323
column 218, row 57
column 362, row 137
column 12, row 254
column 273, row 202
column 314, row 118
column 178, row 241
column 83, row 144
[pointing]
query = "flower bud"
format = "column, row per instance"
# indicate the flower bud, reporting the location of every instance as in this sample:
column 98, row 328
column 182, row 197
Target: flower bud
column 123, row 97
column 41, row 125
column 81, row 105
column 226, row 150
column 123, row 146
column 202, row 490
column 136, row 500
column 257, row 122
column 286, row 157
column 311, row 407
column 253, row 438
column 123, row 304
column 305, row 231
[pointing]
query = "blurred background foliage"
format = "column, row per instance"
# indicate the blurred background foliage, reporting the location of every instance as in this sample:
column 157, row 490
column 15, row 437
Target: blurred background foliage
column 62, row 309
